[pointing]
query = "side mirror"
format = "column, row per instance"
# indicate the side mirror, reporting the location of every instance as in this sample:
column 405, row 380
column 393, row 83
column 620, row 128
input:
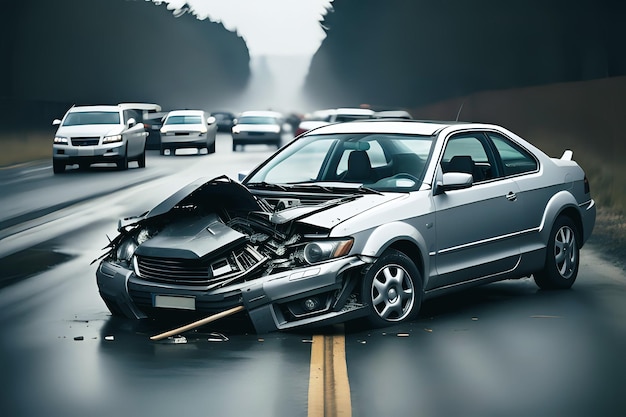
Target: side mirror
column 131, row 122
column 56, row 122
column 211, row 119
column 454, row 181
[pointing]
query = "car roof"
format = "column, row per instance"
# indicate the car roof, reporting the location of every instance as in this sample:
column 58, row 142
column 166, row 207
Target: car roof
column 141, row 106
column 183, row 112
column 95, row 108
column 266, row 113
column 415, row 127
column 356, row 110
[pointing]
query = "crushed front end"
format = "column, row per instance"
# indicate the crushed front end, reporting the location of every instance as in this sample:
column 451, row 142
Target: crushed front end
column 213, row 246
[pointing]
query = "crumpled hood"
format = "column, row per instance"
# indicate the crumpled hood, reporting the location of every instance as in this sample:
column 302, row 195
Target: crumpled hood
column 89, row 130
column 326, row 215
column 332, row 213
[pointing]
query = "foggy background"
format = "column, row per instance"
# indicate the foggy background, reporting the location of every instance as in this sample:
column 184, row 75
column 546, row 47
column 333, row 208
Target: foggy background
column 386, row 53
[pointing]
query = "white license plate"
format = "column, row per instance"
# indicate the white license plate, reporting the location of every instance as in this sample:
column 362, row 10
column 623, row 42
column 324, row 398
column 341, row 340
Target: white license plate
column 179, row 302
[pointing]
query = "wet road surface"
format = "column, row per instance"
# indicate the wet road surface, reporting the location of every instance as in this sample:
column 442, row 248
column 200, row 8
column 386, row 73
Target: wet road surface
column 506, row 349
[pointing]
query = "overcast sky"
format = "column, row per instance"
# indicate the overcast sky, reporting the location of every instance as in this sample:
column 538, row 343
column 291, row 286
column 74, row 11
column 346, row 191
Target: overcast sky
column 269, row 27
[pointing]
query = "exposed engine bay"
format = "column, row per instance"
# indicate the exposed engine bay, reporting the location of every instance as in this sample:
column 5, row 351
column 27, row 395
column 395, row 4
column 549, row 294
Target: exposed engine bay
column 220, row 234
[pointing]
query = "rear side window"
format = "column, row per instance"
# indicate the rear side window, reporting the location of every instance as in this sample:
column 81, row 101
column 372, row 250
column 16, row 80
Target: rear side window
column 515, row 159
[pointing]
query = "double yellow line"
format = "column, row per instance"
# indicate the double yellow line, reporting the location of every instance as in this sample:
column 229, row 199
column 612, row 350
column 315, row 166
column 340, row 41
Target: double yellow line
column 329, row 389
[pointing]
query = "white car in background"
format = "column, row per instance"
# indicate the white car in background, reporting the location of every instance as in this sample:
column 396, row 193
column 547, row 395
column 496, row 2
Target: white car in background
column 258, row 128
column 99, row 134
column 324, row 117
column 188, row 129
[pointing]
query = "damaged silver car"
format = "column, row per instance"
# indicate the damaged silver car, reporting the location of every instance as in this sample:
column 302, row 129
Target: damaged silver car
column 355, row 220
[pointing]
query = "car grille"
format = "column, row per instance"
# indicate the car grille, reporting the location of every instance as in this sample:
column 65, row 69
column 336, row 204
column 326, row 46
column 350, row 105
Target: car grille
column 182, row 134
column 212, row 272
column 85, row 141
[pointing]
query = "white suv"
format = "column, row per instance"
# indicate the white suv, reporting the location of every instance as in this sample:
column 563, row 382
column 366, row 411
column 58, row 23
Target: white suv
column 96, row 134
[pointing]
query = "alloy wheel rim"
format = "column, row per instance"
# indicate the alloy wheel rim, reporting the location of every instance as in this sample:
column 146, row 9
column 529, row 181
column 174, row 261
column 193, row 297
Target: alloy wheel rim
column 565, row 254
column 392, row 293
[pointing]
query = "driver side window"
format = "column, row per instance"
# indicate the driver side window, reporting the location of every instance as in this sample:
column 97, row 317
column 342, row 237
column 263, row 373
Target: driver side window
column 466, row 153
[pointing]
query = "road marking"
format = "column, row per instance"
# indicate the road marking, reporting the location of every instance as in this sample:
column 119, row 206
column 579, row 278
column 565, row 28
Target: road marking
column 329, row 388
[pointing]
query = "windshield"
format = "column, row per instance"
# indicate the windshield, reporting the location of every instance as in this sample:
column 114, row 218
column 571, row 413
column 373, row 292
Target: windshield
column 383, row 162
column 257, row 120
column 184, row 120
column 92, row 118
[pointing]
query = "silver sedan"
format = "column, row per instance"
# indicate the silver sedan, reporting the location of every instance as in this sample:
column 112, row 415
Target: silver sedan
column 356, row 220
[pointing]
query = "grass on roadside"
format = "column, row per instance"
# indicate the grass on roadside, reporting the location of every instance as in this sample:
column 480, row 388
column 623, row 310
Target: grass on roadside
column 20, row 147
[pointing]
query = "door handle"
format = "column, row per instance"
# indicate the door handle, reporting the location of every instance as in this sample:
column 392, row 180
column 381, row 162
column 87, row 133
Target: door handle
column 511, row 196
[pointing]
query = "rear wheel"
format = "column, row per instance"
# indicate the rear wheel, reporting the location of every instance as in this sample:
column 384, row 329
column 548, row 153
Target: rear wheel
column 392, row 289
column 210, row 148
column 234, row 147
column 562, row 257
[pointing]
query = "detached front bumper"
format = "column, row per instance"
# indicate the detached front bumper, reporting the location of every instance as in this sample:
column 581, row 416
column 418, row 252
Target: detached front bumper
column 315, row 295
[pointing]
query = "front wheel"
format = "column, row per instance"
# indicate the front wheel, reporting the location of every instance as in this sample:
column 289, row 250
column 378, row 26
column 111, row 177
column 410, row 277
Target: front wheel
column 141, row 161
column 392, row 289
column 562, row 257
column 58, row 167
column 122, row 163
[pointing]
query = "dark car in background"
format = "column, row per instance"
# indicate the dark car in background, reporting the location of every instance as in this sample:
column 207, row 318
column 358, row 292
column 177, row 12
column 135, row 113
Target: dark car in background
column 224, row 119
column 153, row 123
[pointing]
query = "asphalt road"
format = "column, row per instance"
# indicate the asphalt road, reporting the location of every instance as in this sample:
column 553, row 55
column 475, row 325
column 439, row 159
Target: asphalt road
column 506, row 349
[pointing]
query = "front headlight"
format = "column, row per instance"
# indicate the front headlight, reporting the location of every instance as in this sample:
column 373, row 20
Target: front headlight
column 112, row 139
column 325, row 250
column 126, row 250
column 60, row 140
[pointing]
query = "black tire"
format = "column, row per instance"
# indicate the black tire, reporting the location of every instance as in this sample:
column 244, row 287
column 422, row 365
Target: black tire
column 392, row 289
column 141, row 161
column 122, row 163
column 234, row 147
column 162, row 151
column 210, row 148
column 58, row 167
column 562, row 257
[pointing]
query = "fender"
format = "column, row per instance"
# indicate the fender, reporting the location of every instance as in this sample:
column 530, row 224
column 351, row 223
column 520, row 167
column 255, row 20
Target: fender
column 395, row 232
column 555, row 206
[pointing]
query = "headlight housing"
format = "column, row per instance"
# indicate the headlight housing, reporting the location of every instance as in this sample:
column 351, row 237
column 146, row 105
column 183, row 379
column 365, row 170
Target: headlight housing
column 112, row 139
column 126, row 249
column 320, row 251
column 61, row 140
